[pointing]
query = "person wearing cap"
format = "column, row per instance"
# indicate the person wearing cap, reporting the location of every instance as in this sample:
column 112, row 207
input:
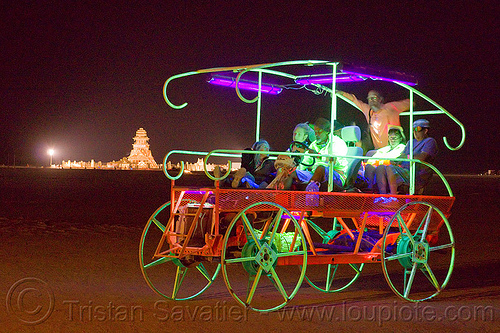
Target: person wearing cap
column 424, row 149
column 378, row 116
column 396, row 146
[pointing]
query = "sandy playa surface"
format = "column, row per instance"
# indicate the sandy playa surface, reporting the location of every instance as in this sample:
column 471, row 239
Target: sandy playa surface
column 69, row 252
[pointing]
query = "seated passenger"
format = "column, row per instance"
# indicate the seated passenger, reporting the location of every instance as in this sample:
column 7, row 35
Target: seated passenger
column 303, row 133
column 258, row 170
column 323, row 145
column 284, row 164
column 424, row 149
column 314, row 170
column 394, row 149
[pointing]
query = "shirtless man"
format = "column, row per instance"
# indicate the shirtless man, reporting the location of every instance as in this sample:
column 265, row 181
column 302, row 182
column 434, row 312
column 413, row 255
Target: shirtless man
column 379, row 115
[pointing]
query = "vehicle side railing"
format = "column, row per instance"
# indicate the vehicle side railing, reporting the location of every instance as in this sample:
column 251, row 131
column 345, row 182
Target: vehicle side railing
column 237, row 154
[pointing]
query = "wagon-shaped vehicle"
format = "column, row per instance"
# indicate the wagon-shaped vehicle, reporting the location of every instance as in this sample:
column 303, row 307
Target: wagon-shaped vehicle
column 275, row 239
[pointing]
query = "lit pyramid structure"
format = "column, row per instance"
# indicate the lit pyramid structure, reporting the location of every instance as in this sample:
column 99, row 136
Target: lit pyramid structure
column 140, row 156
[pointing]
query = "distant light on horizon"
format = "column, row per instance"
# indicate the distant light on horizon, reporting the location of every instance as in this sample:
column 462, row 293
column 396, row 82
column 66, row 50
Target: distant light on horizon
column 51, row 152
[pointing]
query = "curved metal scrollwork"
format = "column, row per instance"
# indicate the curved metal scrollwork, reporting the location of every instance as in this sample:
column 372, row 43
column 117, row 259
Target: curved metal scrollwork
column 238, row 92
column 443, row 110
column 172, row 105
column 165, row 171
column 198, row 153
column 261, row 68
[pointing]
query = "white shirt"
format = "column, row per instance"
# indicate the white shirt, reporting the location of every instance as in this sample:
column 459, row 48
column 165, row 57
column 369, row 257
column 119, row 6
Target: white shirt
column 336, row 147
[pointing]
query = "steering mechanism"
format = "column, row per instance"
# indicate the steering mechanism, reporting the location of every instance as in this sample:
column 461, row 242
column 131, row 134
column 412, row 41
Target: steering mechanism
column 298, row 159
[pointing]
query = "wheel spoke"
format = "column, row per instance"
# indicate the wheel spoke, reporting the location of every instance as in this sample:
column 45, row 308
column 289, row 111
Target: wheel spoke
column 238, row 260
column 277, row 283
column 401, row 221
column 179, row 278
column 427, row 219
column 276, row 222
column 249, row 228
column 330, row 276
column 398, row 256
column 408, row 285
column 256, row 279
column 430, row 275
column 355, row 268
column 316, row 228
column 158, row 262
column 203, row 270
column 338, row 277
column 289, row 254
column 407, row 231
column 158, row 224
column 441, row 247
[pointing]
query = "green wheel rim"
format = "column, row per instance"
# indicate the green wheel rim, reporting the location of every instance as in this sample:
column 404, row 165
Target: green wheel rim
column 335, row 280
column 414, row 257
column 267, row 272
column 175, row 282
column 334, row 277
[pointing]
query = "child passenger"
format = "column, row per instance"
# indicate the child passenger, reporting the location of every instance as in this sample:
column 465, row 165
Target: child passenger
column 303, row 135
column 314, row 171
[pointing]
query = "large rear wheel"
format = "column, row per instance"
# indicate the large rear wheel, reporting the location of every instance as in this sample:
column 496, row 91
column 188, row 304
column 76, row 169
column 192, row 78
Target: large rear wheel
column 418, row 265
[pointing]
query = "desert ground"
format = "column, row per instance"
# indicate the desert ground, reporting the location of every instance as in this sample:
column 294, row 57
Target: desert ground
column 70, row 244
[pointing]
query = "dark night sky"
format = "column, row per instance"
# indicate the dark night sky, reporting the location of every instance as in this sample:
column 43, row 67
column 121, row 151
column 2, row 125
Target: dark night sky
column 83, row 76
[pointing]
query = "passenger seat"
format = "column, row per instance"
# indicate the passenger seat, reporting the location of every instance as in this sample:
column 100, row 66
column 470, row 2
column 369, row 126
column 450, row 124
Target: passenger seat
column 351, row 135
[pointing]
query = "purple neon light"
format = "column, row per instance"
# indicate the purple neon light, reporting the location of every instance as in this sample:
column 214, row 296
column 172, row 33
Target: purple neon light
column 197, row 192
column 350, row 77
column 375, row 77
column 244, row 85
column 327, row 78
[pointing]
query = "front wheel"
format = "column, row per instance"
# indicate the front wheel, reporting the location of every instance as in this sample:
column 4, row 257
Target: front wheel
column 170, row 277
